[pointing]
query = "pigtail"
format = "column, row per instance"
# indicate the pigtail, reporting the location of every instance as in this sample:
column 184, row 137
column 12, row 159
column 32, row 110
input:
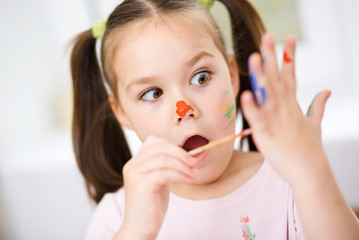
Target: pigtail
column 98, row 140
column 247, row 30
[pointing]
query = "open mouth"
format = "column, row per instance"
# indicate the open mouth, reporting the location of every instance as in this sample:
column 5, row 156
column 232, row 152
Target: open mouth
column 194, row 142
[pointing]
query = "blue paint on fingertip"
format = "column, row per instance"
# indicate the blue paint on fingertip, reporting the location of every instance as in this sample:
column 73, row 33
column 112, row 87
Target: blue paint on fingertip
column 259, row 93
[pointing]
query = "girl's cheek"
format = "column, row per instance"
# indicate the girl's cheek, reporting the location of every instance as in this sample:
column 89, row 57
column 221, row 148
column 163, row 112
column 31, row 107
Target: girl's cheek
column 148, row 131
column 226, row 110
column 146, row 124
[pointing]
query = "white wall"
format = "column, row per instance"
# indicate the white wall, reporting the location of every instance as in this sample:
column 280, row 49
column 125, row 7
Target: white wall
column 41, row 191
column 42, row 194
column 328, row 58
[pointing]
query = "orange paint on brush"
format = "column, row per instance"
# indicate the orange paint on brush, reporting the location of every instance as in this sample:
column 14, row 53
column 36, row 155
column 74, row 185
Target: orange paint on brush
column 286, row 58
column 182, row 108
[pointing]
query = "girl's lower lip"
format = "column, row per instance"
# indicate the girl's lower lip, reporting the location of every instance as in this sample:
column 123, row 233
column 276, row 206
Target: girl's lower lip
column 201, row 156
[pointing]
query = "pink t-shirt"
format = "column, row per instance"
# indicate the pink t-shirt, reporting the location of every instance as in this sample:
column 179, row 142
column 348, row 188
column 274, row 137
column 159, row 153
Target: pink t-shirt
column 262, row 208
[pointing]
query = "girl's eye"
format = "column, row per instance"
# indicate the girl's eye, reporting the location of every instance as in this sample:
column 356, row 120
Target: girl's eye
column 152, row 94
column 200, row 78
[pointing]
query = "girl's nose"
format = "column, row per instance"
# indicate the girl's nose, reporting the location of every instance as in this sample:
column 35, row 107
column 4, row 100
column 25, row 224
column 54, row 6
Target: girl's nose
column 183, row 110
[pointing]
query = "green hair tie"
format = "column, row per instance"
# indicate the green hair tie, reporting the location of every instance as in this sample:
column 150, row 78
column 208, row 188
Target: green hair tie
column 98, row 30
column 207, row 4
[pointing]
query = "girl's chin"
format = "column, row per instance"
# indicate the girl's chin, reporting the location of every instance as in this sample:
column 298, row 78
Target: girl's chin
column 211, row 167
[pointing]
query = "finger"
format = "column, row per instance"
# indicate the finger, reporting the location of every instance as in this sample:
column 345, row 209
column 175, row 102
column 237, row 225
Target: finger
column 250, row 109
column 316, row 108
column 177, row 152
column 288, row 69
column 257, row 79
column 270, row 67
column 165, row 162
column 154, row 145
column 165, row 176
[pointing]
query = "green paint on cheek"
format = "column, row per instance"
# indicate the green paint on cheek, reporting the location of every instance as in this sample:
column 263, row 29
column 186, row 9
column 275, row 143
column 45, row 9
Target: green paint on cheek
column 227, row 109
column 224, row 94
column 232, row 121
column 229, row 112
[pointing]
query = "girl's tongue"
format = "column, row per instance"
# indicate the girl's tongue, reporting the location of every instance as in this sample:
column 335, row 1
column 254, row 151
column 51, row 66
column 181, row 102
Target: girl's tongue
column 194, row 142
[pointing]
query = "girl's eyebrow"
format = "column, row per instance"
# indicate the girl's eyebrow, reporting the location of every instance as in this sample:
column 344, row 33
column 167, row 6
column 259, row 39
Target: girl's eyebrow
column 199, row 56
column 190, row 62
column 140, row 81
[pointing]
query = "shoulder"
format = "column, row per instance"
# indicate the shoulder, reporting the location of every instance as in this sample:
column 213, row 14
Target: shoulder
column 107, row 217
column 111, row 202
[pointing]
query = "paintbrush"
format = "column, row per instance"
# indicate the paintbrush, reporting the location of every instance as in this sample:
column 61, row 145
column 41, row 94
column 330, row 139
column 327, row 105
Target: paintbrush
column 218, row 142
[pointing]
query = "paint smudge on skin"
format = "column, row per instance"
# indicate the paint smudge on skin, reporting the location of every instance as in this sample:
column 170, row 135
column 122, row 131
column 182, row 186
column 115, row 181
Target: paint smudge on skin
column 229, row 124
column 183, row 108
column 259, row 93
column 311, row 105
column 224, row 94
column 309, row 110
column 227, row 109
column 286, row 58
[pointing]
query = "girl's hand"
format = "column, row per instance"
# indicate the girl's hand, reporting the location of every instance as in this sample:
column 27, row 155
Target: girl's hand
column 290, row 140
column 146, row 178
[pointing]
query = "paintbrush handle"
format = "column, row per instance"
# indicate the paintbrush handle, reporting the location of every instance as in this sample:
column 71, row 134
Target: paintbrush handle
column 218, row 142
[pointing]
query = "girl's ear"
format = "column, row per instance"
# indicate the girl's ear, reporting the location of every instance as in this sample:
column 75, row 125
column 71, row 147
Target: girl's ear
column 234, row 73
column 119, row 113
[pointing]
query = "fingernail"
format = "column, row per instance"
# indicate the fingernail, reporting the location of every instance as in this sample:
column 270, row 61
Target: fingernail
column 292, row 42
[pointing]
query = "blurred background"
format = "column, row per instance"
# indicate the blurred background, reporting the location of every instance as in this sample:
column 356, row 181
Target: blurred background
column 42, row 193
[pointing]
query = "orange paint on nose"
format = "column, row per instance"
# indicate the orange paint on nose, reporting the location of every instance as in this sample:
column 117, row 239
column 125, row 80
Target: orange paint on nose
column 182, row 108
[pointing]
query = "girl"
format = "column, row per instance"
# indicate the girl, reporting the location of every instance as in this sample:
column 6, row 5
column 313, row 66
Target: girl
column 172, row 82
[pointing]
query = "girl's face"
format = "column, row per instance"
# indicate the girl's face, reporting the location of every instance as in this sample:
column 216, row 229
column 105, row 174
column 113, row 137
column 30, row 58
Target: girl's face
column 159, row 64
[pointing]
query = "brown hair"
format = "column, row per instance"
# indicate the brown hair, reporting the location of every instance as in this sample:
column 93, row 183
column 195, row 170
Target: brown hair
column 99, row 143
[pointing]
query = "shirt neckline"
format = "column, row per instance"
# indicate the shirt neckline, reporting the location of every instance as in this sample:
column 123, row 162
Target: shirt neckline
column 222, row 202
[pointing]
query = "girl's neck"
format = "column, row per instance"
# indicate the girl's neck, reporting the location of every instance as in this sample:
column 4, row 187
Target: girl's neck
column 240, row 169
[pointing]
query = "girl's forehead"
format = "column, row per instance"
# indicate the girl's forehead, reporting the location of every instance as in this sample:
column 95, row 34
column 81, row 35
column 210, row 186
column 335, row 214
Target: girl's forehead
column 182, row 26
column 148, row 42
